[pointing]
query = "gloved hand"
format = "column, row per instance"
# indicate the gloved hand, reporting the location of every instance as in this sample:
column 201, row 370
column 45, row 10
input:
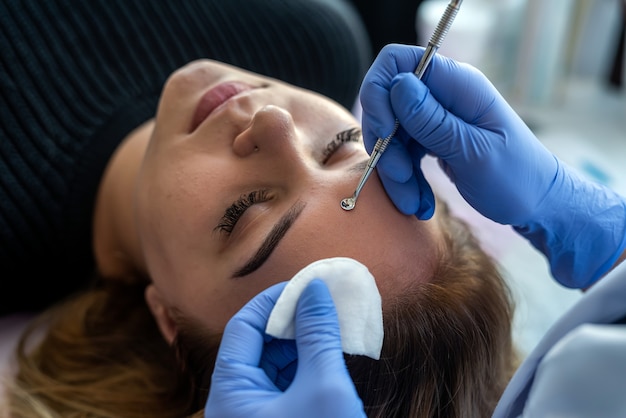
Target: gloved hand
column 495, row 161
column 321, row 386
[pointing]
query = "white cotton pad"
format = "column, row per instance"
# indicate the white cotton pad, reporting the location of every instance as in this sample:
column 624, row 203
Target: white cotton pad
column 356, row 299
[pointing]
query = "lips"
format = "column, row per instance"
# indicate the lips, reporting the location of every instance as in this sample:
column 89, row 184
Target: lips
column 215, row 97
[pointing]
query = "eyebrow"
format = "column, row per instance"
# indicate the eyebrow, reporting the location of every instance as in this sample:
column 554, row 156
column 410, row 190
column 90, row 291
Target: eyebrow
column 272, row 240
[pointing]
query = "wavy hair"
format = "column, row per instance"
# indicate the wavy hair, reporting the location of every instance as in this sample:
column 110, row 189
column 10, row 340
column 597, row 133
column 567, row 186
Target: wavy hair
column 447, row 350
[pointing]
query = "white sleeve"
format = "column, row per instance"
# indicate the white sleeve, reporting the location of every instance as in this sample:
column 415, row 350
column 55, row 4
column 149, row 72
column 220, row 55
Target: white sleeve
column 583, row 375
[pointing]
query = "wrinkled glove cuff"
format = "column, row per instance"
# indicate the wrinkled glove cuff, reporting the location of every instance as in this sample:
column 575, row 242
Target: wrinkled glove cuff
column 581, row 230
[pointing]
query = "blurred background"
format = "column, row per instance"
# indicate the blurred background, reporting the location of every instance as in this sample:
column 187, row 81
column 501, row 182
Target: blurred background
column 560, row 64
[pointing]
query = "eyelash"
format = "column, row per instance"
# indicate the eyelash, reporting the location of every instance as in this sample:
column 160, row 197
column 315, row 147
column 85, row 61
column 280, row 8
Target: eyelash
column 235, row 211
column 349, row 135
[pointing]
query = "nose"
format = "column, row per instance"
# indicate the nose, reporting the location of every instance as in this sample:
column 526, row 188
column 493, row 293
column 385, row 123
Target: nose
column 271, row 133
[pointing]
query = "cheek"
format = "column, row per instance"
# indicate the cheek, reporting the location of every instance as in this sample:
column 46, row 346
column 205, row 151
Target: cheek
column 219, row 303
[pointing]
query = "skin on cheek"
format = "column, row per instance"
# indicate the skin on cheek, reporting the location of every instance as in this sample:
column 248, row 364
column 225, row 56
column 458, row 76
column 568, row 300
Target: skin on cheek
column 217, row 309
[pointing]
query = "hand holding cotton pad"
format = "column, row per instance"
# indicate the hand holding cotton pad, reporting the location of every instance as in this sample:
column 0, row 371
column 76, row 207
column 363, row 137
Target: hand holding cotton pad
column 356, row 298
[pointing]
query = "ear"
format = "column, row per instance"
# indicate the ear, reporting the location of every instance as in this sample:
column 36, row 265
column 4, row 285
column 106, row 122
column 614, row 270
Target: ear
column 161, row 314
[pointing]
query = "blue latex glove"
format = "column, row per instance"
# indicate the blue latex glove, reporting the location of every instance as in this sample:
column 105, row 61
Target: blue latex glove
column 321, row 386
column 495, row 161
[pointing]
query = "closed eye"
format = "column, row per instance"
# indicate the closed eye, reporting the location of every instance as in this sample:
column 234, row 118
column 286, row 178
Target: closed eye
column 235, row 211
column 349, row 135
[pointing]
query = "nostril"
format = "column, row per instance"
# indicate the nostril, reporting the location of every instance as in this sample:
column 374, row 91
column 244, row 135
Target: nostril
column 244, row 144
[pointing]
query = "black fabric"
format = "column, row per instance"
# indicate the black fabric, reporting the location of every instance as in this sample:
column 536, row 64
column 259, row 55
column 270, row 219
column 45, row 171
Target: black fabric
column 616, row 72
column 389, row 21
column 77, row 76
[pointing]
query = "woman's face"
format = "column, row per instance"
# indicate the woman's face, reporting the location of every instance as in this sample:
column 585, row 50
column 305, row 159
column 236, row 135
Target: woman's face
column 241, row 187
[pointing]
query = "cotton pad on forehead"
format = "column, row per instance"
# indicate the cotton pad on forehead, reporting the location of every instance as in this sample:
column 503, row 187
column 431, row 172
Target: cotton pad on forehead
column 356, row 298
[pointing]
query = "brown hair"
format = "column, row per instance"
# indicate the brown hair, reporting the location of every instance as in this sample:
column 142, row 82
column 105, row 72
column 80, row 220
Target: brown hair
column 447, row 350
column 101, row 355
